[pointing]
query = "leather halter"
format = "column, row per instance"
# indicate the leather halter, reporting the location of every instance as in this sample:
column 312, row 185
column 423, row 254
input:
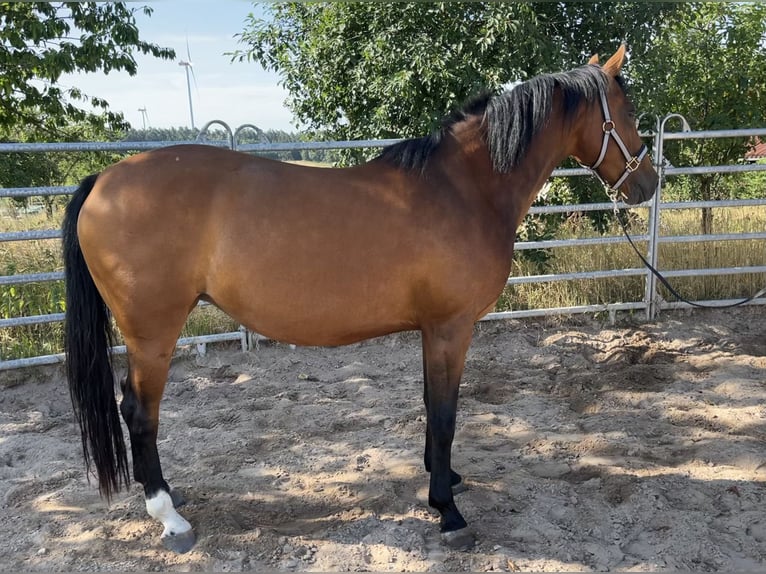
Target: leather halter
column 631, row 161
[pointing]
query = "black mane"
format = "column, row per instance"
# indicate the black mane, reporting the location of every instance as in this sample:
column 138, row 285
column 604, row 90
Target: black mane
column 512, row 118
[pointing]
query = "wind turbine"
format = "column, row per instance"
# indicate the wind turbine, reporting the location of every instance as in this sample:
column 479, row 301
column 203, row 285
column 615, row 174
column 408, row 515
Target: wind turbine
column 187, row 64
column 144, row 116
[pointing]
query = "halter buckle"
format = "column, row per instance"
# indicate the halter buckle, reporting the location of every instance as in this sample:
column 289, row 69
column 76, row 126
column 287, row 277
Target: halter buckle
column 632, row 164
column 608, row 126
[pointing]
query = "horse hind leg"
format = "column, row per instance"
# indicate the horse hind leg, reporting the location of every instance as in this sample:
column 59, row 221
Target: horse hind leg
column 148, row 364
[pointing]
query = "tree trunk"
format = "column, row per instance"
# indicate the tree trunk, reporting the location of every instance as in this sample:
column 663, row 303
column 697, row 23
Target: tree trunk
column 706, row 191
column 48, row 203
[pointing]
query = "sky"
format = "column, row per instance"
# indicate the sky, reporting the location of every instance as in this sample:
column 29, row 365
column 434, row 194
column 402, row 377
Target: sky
column 236, row 93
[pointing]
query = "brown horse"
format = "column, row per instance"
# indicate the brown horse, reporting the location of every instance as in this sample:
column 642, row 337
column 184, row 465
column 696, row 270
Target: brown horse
column 420, row 238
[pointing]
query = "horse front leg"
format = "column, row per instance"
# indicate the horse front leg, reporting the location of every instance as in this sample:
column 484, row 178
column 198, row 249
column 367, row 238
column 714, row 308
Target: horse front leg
column 444, row 350
column 456, row 481
column 142, row 393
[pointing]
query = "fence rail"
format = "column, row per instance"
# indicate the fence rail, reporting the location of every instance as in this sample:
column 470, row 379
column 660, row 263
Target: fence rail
column 651, row 303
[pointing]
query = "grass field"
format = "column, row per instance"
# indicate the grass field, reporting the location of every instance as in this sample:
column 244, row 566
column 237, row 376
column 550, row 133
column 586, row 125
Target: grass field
column 42, row 298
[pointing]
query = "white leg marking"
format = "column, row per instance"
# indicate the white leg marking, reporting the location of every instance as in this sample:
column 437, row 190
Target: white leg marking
column 160, row 507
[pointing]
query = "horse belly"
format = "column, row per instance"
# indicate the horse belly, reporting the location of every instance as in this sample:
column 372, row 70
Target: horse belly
column 315, row 292
column 313, row 313
column 348, row 278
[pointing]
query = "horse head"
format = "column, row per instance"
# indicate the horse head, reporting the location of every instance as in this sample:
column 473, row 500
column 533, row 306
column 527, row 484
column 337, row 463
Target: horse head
column 609, row 143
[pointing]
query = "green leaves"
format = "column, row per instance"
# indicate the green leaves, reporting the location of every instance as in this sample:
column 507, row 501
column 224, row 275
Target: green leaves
column 707, row 63
column 394, row 69
column 376, row 69
column 40, row 41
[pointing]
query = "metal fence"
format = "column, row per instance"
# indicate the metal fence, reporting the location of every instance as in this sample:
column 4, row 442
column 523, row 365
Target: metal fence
column 651, row 303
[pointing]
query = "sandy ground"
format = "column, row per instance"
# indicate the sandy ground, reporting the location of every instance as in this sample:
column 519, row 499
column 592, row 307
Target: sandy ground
column 585, row 446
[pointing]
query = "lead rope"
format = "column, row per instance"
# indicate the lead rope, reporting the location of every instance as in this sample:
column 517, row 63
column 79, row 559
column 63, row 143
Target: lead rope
column 663, row 280
column 632, row 162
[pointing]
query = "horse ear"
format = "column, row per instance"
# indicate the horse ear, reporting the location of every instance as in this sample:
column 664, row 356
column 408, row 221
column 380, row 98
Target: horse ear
column 614, row 64
column 593, row 59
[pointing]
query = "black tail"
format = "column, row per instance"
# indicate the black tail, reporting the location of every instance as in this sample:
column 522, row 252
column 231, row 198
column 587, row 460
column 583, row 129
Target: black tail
column 87, row 339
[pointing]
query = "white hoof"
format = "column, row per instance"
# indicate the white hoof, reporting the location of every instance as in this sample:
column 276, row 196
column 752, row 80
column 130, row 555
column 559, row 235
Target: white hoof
column 177, row 535
column 179, row 543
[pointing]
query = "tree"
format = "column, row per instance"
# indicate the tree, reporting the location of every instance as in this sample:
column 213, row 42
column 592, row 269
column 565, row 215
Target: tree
column 32, row 169
column 22, row 169
column 181, row 133
column 40, row 41
column 391, row 69
column 708, row 63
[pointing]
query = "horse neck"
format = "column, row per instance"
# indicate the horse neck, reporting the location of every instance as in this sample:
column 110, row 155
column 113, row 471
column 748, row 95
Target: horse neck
column 550, row 146
column 511, row 194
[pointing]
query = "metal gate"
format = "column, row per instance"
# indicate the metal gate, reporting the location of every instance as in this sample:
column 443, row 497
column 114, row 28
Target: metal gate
column 651, row 303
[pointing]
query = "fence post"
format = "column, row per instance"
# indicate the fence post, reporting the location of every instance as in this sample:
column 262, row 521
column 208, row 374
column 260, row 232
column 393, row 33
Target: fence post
column 653, row 225
column 248, row 336
column 651, row 297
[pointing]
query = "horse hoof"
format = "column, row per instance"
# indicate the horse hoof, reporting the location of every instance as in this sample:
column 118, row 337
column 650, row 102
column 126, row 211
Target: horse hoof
column 177, row 498
column 463, row 539
column 179, row 543
column 458, row 488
